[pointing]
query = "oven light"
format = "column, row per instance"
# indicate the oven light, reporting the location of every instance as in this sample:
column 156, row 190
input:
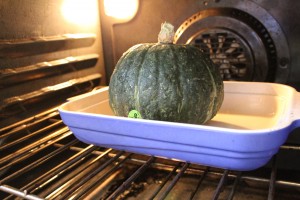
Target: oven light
column 80, row 12
column 121, row 9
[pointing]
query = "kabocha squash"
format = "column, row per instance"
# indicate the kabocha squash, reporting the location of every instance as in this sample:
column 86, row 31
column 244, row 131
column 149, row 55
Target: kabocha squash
column 166, row 81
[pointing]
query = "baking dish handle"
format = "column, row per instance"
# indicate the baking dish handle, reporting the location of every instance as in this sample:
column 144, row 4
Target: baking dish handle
column 296, row 110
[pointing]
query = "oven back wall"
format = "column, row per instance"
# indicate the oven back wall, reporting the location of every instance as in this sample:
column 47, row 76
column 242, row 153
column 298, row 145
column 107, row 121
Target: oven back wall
column 274, row 22
column 269, row 53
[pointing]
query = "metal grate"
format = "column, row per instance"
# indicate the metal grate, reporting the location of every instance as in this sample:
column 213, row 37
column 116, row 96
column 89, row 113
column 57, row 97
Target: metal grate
column 41, row 159
column 228, row 52
column 231, row 37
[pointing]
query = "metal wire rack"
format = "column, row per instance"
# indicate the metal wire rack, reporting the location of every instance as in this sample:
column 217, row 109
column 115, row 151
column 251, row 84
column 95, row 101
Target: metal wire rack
column 41, row 159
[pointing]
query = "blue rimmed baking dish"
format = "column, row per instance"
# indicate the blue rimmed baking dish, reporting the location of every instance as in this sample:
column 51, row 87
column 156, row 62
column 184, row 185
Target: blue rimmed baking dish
column 254, row 121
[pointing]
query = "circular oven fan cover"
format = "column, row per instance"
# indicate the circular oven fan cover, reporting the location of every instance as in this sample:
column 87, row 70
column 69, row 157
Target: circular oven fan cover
column 243, row 47
column 228, row 51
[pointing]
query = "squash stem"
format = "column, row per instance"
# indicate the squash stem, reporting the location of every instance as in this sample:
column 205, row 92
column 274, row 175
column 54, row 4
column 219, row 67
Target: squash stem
column 166, row 34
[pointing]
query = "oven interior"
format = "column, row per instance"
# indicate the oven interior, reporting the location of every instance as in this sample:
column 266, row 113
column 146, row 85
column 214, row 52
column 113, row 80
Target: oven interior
column 52, row 51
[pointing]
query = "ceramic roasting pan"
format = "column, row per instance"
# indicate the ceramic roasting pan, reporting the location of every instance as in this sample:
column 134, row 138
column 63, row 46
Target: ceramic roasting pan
column 254, row 121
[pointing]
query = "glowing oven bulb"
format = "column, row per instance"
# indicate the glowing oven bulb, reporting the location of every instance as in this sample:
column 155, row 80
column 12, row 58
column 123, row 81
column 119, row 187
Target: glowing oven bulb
column 80, row 12
column 121, row 9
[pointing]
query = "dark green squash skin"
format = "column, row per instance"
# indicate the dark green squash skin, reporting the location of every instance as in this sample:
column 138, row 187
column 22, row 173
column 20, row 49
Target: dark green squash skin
column 167, row 82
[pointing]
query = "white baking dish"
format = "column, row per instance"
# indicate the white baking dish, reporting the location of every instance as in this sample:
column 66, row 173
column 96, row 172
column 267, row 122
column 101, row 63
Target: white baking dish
column 254, row 120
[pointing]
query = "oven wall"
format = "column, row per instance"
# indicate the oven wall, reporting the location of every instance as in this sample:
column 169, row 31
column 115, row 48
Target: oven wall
column 47, row 46
column 28, row 20
column 144, row 27
column 118, row 37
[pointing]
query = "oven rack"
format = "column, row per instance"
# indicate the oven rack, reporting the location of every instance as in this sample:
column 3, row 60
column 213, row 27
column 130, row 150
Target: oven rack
column 42, row 159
